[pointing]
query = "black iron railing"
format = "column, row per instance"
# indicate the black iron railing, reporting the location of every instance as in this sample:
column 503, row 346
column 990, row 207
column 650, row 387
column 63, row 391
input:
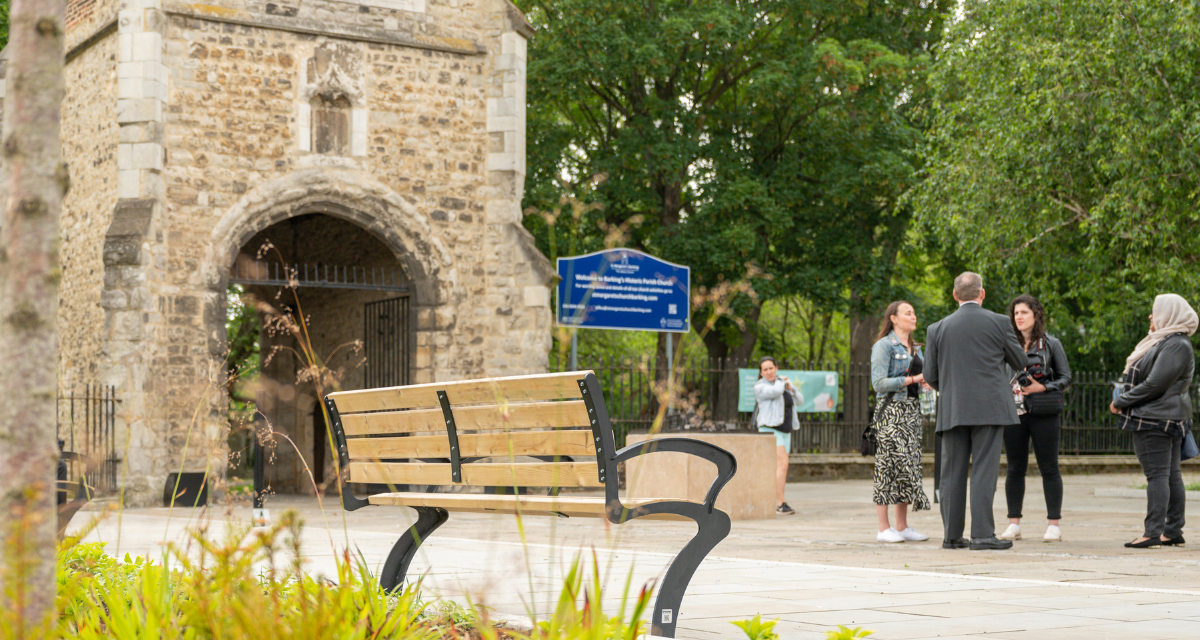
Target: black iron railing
column 706, row 395
column 86, row 425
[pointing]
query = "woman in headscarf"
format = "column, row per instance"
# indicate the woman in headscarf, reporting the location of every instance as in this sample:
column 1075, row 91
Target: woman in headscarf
column 1156, row 407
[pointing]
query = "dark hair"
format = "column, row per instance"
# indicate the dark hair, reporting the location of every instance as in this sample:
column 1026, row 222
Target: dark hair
column 766, row 359
column 1039, row 318
column 886, row 326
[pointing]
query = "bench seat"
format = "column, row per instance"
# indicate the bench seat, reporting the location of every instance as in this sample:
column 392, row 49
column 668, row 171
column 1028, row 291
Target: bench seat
column 510, row 437
column 571, row 506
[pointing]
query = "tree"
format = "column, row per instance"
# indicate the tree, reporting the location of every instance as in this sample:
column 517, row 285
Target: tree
column 35, row 182
column 738, row 133
column 1064, row 157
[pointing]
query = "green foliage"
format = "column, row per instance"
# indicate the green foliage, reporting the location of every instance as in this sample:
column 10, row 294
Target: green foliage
column 239, row 588
column 578, row 615
column 220, row 592
column 846, row 633
column 1063, row 159
column 756, row 629
column 243, row 327
column 775, row 134
column 4, row 6
column 794, row 329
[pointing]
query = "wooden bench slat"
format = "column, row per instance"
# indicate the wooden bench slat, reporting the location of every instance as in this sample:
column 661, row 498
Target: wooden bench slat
column 575, row 507
column 533, row 474
column 551, row 386
column 526, row 443
column 490, row 417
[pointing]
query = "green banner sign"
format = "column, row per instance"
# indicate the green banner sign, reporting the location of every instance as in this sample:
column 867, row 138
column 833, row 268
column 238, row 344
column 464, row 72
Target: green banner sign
column 819, row 388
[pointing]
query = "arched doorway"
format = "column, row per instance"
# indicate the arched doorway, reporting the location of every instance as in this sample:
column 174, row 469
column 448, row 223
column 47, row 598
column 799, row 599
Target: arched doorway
column 335, row 308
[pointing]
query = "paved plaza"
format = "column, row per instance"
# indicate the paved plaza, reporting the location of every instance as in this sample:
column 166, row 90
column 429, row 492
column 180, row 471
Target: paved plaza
column 812, row 571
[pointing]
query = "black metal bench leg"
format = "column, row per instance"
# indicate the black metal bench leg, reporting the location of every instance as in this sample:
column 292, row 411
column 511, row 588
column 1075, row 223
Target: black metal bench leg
column 711, row 529
column 396, row 566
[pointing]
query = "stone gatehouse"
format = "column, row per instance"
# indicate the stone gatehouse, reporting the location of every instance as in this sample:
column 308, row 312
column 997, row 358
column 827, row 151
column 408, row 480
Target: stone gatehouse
column 371, row 137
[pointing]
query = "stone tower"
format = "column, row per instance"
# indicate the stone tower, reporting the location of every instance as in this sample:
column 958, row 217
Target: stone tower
column 372, row 137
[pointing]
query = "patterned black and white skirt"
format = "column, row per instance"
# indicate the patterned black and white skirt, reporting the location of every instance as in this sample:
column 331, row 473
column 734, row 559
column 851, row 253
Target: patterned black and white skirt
column 898, row 455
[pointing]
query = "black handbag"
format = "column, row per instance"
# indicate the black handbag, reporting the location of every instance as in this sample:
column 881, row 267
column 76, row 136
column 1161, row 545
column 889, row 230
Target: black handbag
column 1045, row 404
column 867, row 445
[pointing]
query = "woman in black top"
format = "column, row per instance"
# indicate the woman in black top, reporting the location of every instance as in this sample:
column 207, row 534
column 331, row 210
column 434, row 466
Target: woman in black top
column 1155, row 406
column 1048, row 372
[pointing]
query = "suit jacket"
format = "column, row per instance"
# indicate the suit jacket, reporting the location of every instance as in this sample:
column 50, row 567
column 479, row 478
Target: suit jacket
column 965, row 354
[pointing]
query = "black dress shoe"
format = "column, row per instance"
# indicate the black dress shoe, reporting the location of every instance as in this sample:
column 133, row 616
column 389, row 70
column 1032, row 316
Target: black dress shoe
column 1148, row 543
column 961, row 543
column 990, row 543
column 1173, row 542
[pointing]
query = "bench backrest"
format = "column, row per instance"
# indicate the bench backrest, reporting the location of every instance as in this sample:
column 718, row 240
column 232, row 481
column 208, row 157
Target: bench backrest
column 434, row 434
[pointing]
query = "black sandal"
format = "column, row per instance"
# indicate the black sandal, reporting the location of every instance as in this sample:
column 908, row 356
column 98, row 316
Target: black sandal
column 1174, row 542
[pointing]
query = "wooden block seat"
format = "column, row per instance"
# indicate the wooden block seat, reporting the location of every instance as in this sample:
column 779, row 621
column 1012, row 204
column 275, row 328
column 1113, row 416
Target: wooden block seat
column 509, row 435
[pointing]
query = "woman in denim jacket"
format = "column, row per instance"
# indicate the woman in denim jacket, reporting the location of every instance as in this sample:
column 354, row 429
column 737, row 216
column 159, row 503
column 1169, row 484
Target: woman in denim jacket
column 896, row 377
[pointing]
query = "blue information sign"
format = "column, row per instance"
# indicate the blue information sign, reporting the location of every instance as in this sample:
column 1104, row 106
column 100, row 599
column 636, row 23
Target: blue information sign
column 623, row 289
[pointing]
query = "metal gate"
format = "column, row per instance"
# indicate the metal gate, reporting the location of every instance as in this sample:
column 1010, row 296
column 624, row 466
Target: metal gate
column 385, row 339
column 85, row 424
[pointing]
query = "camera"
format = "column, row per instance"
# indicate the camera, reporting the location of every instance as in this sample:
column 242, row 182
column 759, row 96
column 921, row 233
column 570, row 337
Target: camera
column 1035, row 369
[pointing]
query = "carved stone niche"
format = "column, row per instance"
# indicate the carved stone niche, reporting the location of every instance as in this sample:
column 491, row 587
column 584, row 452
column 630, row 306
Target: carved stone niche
column 333, row 88
column 330, row 124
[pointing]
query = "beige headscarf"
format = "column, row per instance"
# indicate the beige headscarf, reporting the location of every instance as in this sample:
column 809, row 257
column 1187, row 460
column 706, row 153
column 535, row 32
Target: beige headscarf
column 1172, row 314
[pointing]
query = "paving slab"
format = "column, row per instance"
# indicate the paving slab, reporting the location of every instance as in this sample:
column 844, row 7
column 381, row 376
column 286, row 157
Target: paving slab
column 811, row 571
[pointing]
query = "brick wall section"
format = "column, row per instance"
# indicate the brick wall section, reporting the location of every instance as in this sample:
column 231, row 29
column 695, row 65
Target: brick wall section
column 89, row 133
column 87, row 17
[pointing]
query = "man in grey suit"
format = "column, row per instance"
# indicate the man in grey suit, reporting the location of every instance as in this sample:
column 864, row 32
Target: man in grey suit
column 965, row 355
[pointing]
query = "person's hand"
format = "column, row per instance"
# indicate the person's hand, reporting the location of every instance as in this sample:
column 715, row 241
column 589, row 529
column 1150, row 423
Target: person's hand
column 787, row 384
column 926, row 386
column 1113, row 408
column 918, row 379
column 1034, row 387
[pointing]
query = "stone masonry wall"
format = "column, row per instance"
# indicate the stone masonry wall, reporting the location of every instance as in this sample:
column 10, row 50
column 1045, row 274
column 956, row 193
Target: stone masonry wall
column 89, row 134
column 217, row 107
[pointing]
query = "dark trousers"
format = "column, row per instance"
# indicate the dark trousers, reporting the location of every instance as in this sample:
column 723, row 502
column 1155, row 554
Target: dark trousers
column 969, row 450
column 1158, row 451
column 1044, row 431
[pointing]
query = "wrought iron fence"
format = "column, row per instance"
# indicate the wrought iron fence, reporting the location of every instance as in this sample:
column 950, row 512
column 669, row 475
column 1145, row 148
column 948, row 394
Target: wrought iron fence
column 86, row 424
column 701, row 402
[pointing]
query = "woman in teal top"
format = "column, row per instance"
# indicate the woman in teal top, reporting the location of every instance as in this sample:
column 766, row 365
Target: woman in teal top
column 769, row 392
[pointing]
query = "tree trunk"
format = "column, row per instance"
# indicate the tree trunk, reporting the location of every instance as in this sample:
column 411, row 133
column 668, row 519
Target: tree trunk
column 727, row 359
column 863, row 328
column 34, row 184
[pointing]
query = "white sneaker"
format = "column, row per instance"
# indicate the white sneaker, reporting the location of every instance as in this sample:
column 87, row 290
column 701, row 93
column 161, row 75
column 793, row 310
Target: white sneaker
column 1053, row 534
column 889, row 535
column 912, row 535
column 1013, row 532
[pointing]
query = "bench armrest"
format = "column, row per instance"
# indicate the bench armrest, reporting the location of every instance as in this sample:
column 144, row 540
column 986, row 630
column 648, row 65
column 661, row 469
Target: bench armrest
column 726, row 463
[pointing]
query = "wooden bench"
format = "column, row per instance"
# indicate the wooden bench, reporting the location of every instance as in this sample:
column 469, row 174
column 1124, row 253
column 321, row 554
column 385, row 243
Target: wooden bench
column 439, row 434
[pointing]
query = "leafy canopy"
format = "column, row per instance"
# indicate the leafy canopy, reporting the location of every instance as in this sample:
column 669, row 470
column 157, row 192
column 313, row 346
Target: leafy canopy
column 772, row 132
column 1064, row 155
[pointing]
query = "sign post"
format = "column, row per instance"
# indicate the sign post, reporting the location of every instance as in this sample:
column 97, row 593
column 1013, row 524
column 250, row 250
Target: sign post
column 624, row 289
